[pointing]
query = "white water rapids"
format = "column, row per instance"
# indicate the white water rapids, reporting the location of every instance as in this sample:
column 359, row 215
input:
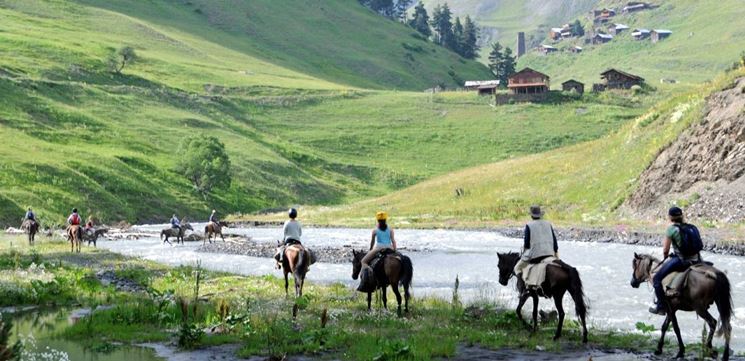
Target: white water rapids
column 605, row 269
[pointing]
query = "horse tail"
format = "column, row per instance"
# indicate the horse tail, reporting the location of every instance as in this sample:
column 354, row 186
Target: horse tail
column 162, row 233
column 407, row 272
column 723, row 299
column 300, row 265
column 576, row 290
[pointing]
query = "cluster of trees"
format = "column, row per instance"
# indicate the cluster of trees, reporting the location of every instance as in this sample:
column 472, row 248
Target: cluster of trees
column 577, row 28
column 204, row 162
column 501, row 62
column 452, row 33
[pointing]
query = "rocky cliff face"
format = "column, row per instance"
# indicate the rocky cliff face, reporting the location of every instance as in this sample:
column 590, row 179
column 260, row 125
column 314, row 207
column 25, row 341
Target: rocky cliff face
column 704, row 169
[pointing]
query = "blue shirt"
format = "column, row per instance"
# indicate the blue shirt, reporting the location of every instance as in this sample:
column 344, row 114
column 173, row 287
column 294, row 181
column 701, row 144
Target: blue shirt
column 175, row 222
column 383, row 238
column 30, row 215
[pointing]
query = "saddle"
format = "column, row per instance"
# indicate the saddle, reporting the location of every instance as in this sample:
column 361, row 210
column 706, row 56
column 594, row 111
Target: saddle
column 534, row 275
column 675, row 282
column 382, row 255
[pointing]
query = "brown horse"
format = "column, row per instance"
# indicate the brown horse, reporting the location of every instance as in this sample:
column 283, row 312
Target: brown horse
column 32, row 228
column 176, row 232
column 389, row 272
column 213, row 228
column 296, row 260
column 75, row 235
column 93, row 237
column 559, row 279
column 700, row 291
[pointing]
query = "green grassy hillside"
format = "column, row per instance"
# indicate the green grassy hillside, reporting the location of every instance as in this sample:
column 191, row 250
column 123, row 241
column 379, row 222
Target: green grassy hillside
column 296, row 129
column 581, row 183
column 706, row 38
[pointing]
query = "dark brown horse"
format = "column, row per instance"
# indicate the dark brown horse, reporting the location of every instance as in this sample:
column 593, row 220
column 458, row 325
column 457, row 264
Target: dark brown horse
column 700, row 292
column 296, row 260
column 560, row 278
column 32, row 228
column 213, row 228
column 389, row 272
column 93, row 237
column 75, row 235
column 175, row 232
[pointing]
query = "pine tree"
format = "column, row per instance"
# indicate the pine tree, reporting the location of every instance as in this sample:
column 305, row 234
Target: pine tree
column 495, row 59
column 441, row 23
column 420, row 20
column 471, row 37
column 400, row 9
column 508, row 64
column 577, row 29
column 459, row 41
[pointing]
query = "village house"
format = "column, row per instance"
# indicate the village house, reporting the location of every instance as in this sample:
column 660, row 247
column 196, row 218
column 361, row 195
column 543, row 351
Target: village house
column 529, row 81
column 555, row 34
column 575, row 49
column 616, row 79
column 640, row 34
column 475, row 84
column 563, row 32
column 615, row 29
column 633, row 7
column 573, row 85
column 547, row 49
column 659, row 34
column 603, row 15
column 601, row 38
column 487, row 89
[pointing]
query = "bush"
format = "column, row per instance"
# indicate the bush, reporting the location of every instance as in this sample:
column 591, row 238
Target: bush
column 121, row 58
column 204, row 162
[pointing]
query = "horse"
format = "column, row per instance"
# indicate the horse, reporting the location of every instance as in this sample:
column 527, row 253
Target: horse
column 388, row 272
column 296, row 260
column 697, row 296
column 31, row 227
column 94, row 236
column 75, row 235
column 560, row 278
column 214, row 228
column 175, row 232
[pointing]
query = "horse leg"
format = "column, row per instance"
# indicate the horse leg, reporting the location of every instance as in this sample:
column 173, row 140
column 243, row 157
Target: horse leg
column 558, row 301
column 369, row 301
column 398, row 298
column 384, row 293
column 534, row 296
column 287, row 284
column 663, row 330
column 676, row 328
column 519, row 310
column 406, row 298
column 712, row 323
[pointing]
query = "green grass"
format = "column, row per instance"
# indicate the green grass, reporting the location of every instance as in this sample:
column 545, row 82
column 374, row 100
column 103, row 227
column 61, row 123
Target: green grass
column 584, row 183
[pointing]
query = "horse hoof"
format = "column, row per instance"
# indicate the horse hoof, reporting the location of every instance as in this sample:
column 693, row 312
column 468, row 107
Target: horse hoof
column 657, row 352
column 680, row 355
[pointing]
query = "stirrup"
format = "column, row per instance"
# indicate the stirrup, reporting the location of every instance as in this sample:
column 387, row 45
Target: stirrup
column 657, row 311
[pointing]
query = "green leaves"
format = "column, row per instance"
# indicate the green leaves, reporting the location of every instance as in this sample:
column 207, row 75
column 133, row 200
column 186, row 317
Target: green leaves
column 204, row 162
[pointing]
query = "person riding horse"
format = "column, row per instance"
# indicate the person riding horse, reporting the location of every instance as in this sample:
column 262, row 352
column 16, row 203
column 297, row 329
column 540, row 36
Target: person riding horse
column 213, row 217
column 292, row 231
column 30, row 216
column 686, row 242
column 175, row 223
column 382, row 239
column 539, row 241
column 74, row 218
column 89, row 229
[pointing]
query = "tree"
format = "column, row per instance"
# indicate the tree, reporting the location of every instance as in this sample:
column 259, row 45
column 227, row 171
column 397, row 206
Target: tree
column 400, row 9
column 459, row 42
column 204, row 162
column 508, row 65
column 441, row 23
column 121, row 58
column 388, row 8
column 495, row 59
column 420, row 20
column 470, row 39
column 501, row 63
column 577, row 29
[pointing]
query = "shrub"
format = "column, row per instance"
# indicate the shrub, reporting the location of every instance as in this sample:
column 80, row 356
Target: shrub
column 204, row 162
column 121, row 58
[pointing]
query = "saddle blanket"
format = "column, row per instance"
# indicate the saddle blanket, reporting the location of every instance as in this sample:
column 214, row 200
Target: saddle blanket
column 535, row 274
column 676, row 281
column 382, row 254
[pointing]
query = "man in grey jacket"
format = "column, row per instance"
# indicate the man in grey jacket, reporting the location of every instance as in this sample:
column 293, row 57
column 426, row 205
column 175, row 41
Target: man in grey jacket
column 539, row 243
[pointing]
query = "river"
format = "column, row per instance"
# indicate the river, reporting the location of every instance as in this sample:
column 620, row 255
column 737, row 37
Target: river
column 442, row 255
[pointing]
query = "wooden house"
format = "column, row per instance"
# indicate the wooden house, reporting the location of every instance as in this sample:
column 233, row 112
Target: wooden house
column 659, row 34
column 475, row 84
column 615, row 29
column 575, row 49
column 554, row 34
column 529, row 81
column 603, row 15
column 487, row 89
column 601, row 38
column 616, row 79
column 640, row 34
column 633, row 7
column 547, row 49
column 573, row 85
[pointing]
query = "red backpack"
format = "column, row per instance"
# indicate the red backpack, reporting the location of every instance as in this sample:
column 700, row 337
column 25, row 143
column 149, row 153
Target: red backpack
column 75, row 219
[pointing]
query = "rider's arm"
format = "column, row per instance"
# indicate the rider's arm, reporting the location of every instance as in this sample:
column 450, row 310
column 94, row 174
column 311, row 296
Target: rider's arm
column 393, row 240
column 556, row 244
column 526, row 243
column 372, row 240
column 666, row 246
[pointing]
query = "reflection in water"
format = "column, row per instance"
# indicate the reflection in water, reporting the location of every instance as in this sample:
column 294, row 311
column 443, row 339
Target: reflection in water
column 605, row 269
column 37, row 328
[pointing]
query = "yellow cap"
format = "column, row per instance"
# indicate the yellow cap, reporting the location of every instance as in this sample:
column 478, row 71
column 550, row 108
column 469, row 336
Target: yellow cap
column 381, row 216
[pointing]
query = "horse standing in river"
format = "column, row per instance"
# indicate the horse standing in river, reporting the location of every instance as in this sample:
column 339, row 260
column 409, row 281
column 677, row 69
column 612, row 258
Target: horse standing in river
column 176, row 232
column 31, row 227
column 296, row 260
column 75, row 235
column 701, row 290
column 213, row 229
column 93, row 237
column 560, row 278
column 390, row 271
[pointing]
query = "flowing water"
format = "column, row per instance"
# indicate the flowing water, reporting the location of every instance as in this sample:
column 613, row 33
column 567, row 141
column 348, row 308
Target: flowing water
column 471, row 256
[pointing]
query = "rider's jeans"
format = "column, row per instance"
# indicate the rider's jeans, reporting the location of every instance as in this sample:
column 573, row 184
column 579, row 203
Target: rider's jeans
column 673, row 264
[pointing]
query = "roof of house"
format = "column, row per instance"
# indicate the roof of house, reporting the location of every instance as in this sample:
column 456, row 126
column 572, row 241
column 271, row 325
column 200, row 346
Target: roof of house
column 471, row 83
column 488, row 86
column 525, row 85
column 548, row 47
column 529, row 70
column 572, row 81
column 634, row 7
column 556, row 30
column 662, row 31
column 629, row 75
column 578, row 47
column 604, row 36
column 621, row 26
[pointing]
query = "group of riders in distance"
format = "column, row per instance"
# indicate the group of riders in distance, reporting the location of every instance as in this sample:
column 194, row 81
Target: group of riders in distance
column 682, row 280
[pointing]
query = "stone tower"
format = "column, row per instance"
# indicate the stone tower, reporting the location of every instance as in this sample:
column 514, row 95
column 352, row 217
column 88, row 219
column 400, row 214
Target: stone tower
column 520, row 44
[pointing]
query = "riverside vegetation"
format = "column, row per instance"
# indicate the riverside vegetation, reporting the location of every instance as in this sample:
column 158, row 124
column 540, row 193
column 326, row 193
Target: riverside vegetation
column 193, row 308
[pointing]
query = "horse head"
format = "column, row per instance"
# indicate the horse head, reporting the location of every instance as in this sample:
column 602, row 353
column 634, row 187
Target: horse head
column 641, row 268
column 357, row 263
column 506, row 265
column 187, row 226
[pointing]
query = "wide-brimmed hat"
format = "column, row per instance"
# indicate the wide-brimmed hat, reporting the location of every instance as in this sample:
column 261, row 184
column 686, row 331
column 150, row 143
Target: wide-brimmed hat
column 536, row 212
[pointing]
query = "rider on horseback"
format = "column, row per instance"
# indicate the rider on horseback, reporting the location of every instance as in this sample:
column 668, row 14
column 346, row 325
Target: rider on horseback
column 382, row 239
column 30, row 216
column 539, row 243
column 74, row 219
column 292, row 231
column 175, row 223
column 89, row 226
column 213, row 217
column 686, row 242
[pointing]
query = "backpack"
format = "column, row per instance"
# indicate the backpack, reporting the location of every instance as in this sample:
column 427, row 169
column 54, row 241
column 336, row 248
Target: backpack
column 690, row 240
column 75, row 219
